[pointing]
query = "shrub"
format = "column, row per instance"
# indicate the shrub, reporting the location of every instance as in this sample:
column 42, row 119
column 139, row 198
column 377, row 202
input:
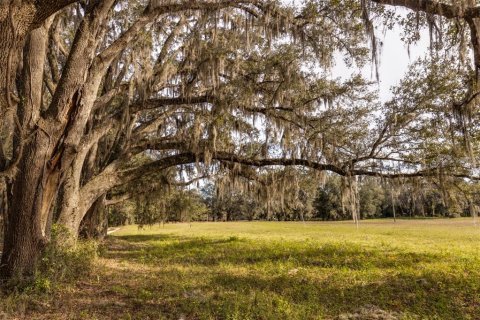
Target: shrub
column 64, row 260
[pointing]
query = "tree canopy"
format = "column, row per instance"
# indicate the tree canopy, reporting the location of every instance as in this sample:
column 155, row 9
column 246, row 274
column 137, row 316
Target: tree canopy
column 104, row 99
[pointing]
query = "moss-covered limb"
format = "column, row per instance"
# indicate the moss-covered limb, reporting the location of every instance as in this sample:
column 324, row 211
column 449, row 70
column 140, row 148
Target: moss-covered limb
column 455, row 9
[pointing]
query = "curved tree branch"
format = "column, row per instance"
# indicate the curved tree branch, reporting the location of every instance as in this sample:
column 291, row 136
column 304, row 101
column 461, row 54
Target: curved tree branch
column 443, row 9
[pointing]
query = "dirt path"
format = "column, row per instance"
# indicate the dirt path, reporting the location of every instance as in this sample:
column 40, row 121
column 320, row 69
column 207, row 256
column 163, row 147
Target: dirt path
column 112, row 230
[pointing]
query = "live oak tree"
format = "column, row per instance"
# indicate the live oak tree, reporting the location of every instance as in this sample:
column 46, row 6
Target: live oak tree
column 45, row 136
column 97, row 94
column 89, row 87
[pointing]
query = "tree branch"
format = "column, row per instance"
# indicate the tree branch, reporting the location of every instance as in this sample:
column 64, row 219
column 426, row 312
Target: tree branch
column 162, row 102
column 45, row 8
column 448, row 11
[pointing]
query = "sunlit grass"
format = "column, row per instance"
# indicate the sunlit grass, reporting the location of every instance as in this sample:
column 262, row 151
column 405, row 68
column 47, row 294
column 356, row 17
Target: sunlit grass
column 425, row 269
column 422, row 269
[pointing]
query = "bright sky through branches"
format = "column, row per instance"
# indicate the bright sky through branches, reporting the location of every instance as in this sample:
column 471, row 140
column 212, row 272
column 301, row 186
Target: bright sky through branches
column 395, row 59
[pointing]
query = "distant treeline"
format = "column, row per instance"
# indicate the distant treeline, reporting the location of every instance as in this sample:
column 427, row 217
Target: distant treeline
column 374, row 198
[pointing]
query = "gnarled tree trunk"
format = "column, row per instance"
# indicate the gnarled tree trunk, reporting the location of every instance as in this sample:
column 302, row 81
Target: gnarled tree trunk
column 95, row 223
column 26, row 215
column 46, row 145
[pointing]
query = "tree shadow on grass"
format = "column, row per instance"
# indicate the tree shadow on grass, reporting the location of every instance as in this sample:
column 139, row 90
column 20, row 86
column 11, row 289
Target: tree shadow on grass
column 427, row 296
column 139, row 238
column 348, row 281
column 168, row 277
column 224, row 294
column 237, row 251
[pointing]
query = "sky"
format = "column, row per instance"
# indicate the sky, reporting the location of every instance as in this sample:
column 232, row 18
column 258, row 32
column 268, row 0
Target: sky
column 394, row 61
column 395, row 58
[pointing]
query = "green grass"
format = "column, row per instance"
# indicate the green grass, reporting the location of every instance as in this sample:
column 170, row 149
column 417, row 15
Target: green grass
column 422, row 269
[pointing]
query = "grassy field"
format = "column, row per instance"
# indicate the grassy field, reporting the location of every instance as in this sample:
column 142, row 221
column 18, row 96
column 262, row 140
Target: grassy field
column 422, row 269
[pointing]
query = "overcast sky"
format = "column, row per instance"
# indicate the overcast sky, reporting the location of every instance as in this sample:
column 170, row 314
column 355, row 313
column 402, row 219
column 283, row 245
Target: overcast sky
column 394, row 59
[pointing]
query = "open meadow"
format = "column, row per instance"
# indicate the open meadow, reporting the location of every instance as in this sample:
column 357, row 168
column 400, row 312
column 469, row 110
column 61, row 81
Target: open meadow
column 128, row 126
column 421, row 269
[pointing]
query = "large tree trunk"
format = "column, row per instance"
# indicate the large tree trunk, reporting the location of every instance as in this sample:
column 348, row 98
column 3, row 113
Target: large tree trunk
column 95, row 223
column 71, row 209
column 15, row 22
column 46, row 146
column 25, row 214
column 74, row 205
column 28, row 211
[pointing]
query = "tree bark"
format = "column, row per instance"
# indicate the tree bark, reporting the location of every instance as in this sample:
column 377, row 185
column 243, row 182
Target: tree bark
column 95, row 223
column 44, row 157
column 27, row 213
column 15, row 22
